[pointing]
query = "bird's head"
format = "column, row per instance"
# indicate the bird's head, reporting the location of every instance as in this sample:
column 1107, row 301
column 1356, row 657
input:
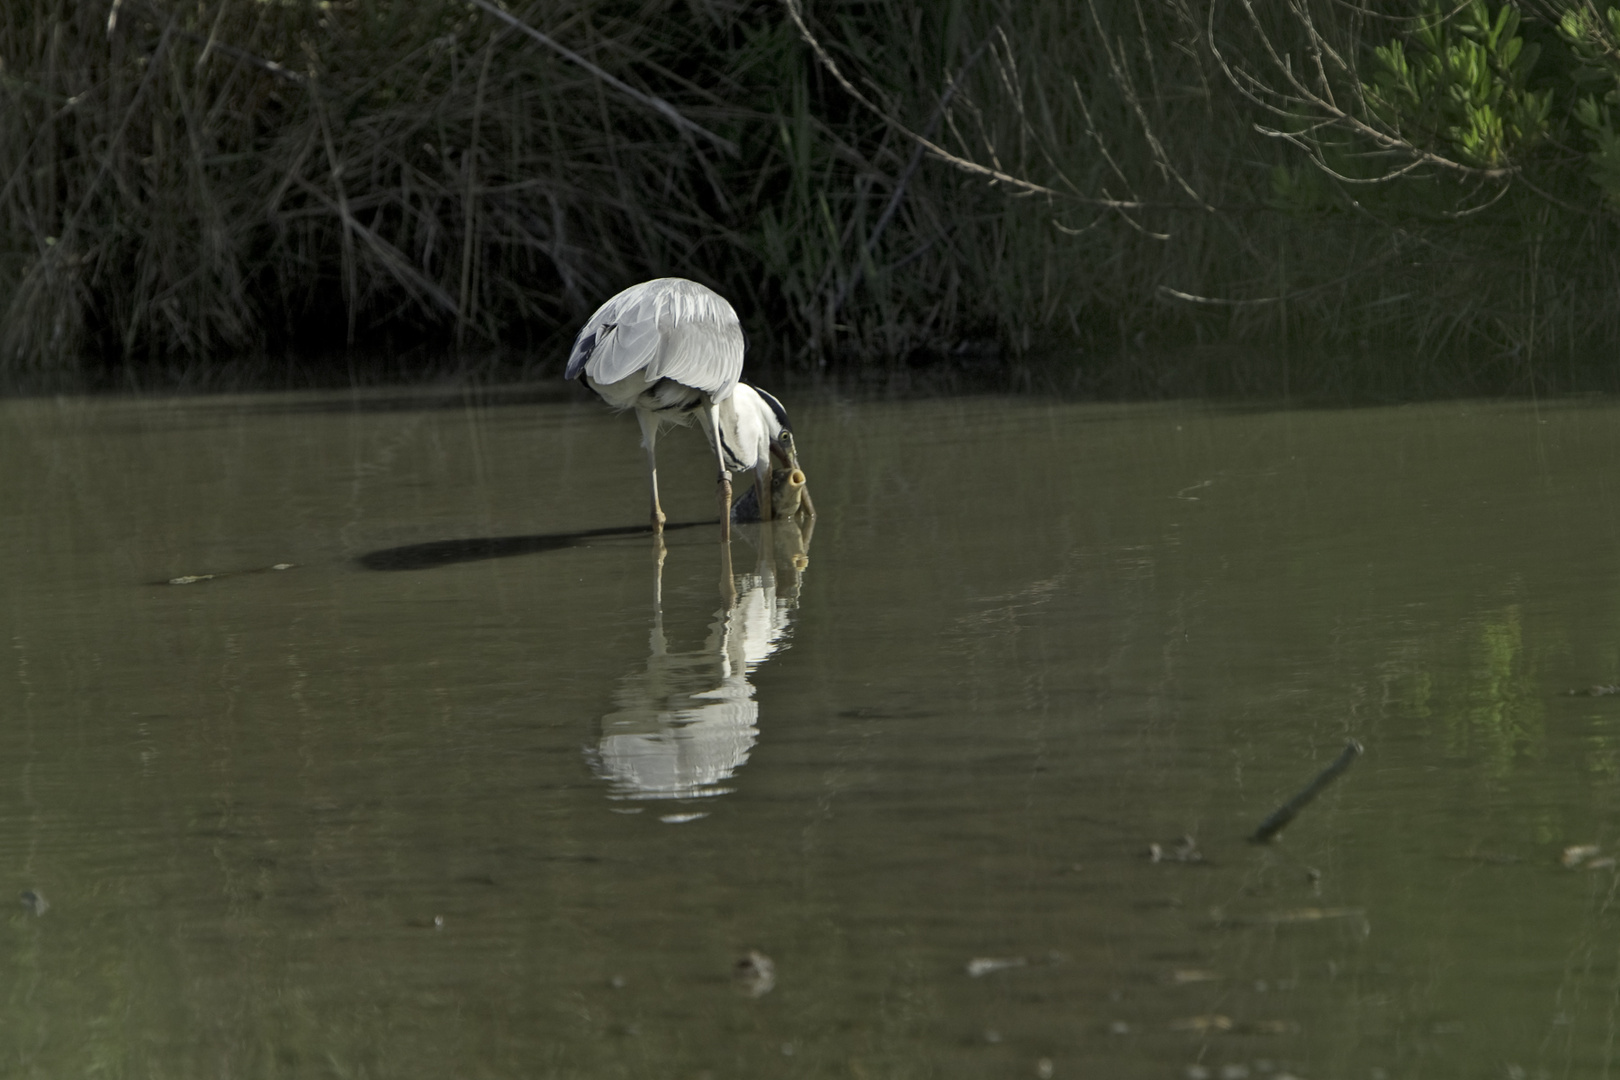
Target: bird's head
column 789, row 495
column 783, row 450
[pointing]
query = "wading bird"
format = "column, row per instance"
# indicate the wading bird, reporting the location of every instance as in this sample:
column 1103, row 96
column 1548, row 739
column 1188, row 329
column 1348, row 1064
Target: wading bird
column 673, row 350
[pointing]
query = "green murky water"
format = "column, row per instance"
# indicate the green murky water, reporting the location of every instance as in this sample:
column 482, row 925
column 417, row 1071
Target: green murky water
column 452, row 796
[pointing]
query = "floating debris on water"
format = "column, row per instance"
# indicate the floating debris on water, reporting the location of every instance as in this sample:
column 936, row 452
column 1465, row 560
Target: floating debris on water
column 1215, row 1023
column 1586, row 857
column 985, row 965
column 755, row 973
column 1185, row 851
column 1187, row 976
column 980, row 966
column 1314, row 914
column 682, row 819
column 1293, row 917
column 34, row 901
column 1280, row 817
column 193, row 579
column 1203, row 1025
column 1594, row 691
column 1044, row 1069
column 1576, row 854
column 1488, row 858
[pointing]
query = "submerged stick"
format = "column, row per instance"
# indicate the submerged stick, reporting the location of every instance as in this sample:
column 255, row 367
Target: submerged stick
column 1280, row 817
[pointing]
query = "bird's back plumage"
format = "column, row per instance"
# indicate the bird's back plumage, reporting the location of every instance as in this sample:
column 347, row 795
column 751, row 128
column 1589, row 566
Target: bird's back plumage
column 668, row 328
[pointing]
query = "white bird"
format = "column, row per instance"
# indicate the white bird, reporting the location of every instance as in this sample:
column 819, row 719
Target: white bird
column 673, row 350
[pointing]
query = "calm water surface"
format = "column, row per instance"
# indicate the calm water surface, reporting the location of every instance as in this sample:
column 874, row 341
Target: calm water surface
column 473, row 788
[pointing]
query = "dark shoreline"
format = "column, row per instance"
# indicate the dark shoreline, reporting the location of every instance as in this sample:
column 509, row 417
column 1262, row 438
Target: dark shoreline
column 1231, row 374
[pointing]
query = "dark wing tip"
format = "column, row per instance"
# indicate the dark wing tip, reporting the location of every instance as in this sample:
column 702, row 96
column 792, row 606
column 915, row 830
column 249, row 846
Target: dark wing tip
column 584, row 346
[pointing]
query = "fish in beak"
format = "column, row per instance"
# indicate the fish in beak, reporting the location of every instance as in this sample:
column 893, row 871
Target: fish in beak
column 788, row 479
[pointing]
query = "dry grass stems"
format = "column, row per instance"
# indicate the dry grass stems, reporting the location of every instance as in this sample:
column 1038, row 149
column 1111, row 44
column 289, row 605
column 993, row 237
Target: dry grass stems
column 965, row 182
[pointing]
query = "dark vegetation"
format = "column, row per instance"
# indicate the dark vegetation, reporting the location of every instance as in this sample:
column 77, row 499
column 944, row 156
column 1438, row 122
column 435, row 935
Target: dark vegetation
column 1159, row 196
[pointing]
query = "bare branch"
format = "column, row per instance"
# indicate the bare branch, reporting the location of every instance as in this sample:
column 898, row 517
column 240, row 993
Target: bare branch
column 657, row 103
column 1486, row 205
column 1177, row 294
column 1123, row 80
column 1317, row 108
column 933, row 148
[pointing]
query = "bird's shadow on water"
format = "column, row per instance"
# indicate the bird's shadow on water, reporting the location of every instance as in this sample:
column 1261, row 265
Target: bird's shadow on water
column 436, row 553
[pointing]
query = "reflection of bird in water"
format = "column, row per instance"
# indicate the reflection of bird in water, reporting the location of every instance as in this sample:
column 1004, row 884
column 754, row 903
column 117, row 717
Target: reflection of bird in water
column 671, row 348
column 687, row 721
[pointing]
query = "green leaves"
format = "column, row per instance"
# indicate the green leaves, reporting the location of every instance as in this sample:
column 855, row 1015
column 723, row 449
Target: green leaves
column 1594, row 41
column 1457, row 85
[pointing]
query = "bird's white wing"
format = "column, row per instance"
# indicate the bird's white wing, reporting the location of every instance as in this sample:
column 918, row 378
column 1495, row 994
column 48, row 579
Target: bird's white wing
column 621, row 338
column 668, row 328
column 702, row 341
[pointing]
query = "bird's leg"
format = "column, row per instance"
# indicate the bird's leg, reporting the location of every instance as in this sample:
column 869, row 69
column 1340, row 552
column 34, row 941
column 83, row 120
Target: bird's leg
column 728, row 580
column 725, row 505
column 657, row 511
column 711, row 417
column 656, row 641
column 659, row 552
column 649, row 437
